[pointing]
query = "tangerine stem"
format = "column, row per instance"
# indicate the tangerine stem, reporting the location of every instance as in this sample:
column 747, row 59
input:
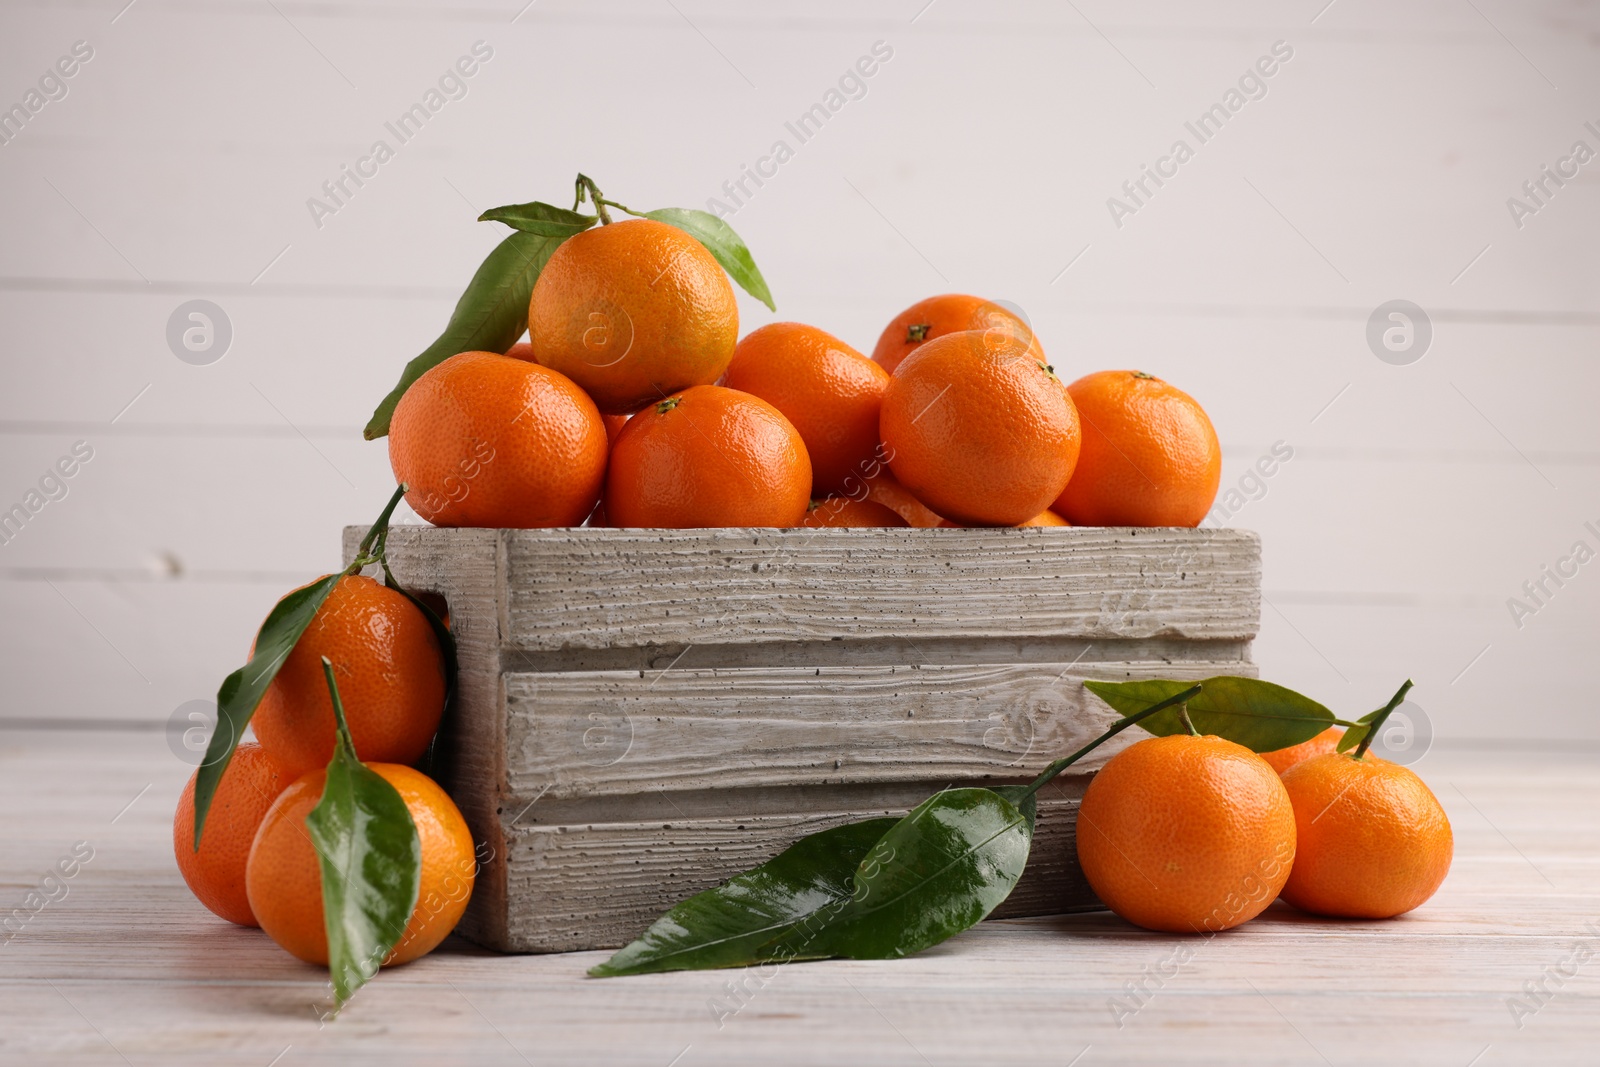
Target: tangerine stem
column 1122, row 724
column 629, row 210
column 1380, row 716
column 341, row 728
column 1188, row 724
column 586, row 184
column 371, row 546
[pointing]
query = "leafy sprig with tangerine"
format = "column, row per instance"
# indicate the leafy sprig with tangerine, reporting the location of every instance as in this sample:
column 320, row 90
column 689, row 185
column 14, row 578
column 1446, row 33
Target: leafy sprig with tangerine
column 493, row 309
column 887, row 888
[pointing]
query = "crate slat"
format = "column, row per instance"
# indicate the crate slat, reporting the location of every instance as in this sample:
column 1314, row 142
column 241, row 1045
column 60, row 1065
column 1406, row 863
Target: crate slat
column 572, row 589
column 598, row 733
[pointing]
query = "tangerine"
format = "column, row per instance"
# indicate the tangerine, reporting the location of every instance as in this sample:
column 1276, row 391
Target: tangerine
column 708, row 456
column 1186, row 834
column 633, row 311
column 979, row 428
column 1284, row 758
column 215, row 871
column 1044, row 518
column 1150, row 455
column 1374, row 840
column 844, row 511
column 939, row 315
column 391, row 674
column 828, row 390
column 488, row 440
column 284, row 877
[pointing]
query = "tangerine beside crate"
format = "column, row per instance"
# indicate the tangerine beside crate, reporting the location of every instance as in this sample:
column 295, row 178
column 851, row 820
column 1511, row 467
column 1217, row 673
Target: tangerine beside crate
column 644, row 713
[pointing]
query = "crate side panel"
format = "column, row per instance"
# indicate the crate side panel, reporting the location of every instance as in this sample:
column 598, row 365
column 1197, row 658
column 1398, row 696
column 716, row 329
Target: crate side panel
column 608, row 733
column 592, row 589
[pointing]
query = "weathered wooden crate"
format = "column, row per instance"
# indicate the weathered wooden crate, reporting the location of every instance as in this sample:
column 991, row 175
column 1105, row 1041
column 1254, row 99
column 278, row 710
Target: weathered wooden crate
column 644, row 713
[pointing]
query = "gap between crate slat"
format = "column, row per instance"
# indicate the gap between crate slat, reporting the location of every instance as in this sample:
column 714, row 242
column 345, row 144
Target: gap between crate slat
column 910, row 653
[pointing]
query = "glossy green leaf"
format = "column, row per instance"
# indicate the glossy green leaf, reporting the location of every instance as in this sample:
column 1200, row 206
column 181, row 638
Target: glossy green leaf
column 1357, row 733
column 242, row 690
column 489, row 317
column 937, row 872
column 371, row 861
column 720, row 240
column 1373, row 720
column 1025, row 800
column 726, row 926
column 537, row 217
column 1261, row 716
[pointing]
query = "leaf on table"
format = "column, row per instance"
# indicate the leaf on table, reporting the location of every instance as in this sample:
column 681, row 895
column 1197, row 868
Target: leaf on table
column 1261, row 716
column 938, row 871
column 725, row 926
column 489, row 317
column 726, row 246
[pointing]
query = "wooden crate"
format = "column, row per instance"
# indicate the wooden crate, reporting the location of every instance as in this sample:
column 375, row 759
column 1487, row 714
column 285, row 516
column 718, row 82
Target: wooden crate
column 644, row 713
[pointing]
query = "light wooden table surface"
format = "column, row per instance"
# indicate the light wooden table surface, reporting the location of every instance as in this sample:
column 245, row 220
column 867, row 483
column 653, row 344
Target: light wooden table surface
column 127, row 968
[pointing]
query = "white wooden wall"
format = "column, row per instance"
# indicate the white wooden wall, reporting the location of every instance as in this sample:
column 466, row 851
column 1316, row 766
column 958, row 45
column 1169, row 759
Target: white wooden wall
column 1377, row 166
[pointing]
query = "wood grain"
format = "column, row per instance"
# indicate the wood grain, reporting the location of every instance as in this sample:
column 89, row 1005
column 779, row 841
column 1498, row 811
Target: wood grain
column 130, row 969
column 609, row 588
column 595, row 733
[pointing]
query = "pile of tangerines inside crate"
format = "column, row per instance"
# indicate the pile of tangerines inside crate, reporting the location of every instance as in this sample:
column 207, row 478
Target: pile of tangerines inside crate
column 634, row 403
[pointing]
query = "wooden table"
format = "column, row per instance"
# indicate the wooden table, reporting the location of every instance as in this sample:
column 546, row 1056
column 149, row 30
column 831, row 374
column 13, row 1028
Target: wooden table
column 127, row 968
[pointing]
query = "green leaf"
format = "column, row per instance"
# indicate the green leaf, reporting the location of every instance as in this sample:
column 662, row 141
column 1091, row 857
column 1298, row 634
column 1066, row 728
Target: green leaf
column 1357, row 733
column 1025, row 799
column 544, row 219
column 938, row 871
column 241, row 691
column 726, row 926
column 489, row 317
column 720, row 240
column 371, row 860
column 1372, row 720
column 1261, row 716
